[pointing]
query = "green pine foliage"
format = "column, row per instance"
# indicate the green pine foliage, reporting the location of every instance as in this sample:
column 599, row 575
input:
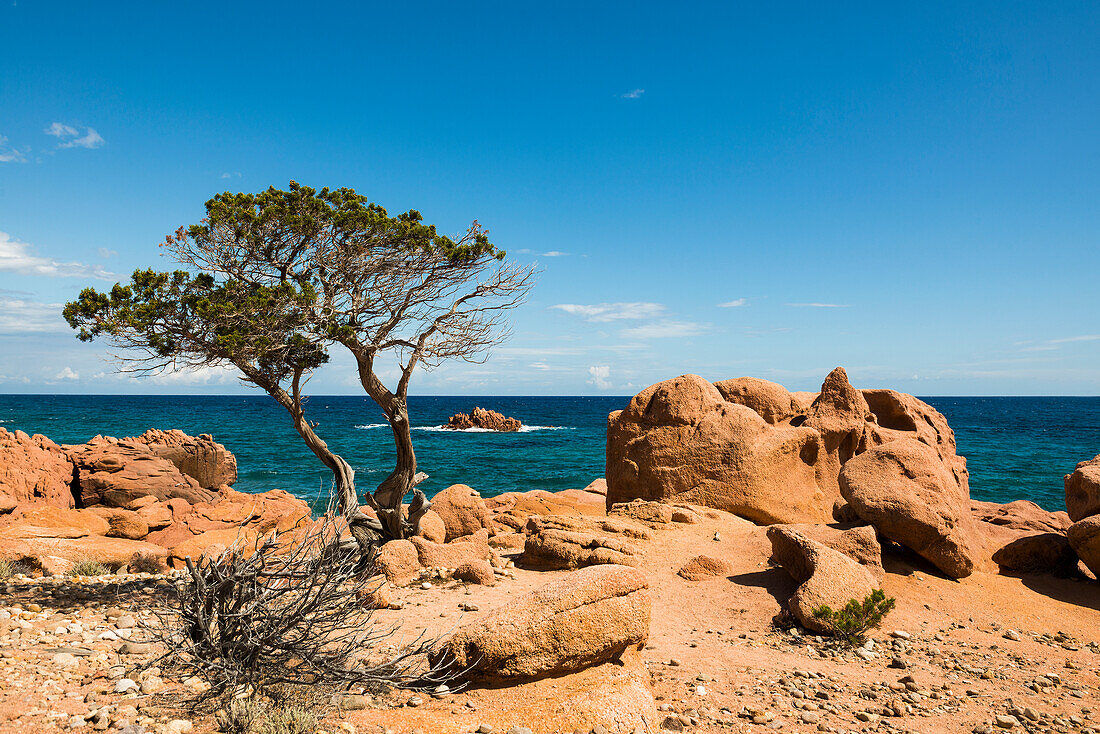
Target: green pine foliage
column 857, row 617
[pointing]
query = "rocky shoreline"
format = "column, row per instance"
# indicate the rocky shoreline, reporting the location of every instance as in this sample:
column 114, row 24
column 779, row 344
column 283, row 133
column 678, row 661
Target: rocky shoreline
column 677, row 595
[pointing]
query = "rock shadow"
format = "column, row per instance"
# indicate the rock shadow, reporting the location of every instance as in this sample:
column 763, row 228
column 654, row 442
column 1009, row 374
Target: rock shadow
column 775, row 581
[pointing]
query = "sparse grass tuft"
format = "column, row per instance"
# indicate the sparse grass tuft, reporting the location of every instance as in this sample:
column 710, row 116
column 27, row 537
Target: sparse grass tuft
column 88, row 567
column 146, row 563
column 7, row 569
column 289, row 720
column 239, row 716
column 853, row 621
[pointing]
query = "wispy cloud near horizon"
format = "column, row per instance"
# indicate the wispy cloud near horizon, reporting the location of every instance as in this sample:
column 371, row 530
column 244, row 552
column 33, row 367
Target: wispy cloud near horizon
column 633, row 94
column 664, row 329
column 605, row 312
column 736, row 303
column 818, row 305
column 16, row 257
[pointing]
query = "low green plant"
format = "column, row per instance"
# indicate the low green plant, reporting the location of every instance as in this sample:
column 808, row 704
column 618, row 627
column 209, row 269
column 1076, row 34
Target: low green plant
column 88, row 567
column 857, row 617
column 290, row 720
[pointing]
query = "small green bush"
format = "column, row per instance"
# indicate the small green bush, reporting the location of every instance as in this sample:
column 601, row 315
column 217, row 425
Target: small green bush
column 289, row 720
column 852, row 622
column 88, row 567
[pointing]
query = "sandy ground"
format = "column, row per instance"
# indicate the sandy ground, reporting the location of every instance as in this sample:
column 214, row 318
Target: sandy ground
column 986, row 653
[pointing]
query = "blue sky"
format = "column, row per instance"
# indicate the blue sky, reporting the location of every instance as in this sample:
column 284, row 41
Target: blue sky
column 726, row 189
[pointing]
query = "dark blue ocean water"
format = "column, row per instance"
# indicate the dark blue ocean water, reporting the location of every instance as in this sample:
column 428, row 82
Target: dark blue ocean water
column 1017, row 448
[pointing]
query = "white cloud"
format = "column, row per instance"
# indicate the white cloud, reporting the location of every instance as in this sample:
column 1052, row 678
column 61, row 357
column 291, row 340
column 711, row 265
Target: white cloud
column 104, row 253
column 19, row 316
column 818, row 305
column 599, row 375
column 59, row 130
column 212, row 375
column 551, row 253
column 1082, row 338
column 71, row 137
column 9, row 154
column 67, row 374
column 604, row 312
column 734, row 303
column 664, row 329
column 633, row 94
column 16, row 257
column 231, row 174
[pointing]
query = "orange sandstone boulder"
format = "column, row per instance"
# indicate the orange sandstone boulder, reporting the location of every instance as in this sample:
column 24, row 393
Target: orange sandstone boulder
column 860, row 543
column 399, row 562
column 34, row 469
column 1083, row 490
column 476, row 572
column 124, row 523
column 586, row 618
column 1084, row 537
column 48, row 521
column 199, row 457
column 680, row 440
column 827, row 577
column 451, row 555
column 462, row 510
column 432, row 527
column 122, row 473
column 910, row 496
column 769, row 399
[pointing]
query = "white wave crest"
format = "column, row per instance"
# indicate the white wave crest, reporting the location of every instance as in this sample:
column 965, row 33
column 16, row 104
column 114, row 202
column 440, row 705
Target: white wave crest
column 373, row 425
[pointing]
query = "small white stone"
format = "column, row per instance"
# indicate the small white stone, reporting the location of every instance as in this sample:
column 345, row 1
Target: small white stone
column 124, row 685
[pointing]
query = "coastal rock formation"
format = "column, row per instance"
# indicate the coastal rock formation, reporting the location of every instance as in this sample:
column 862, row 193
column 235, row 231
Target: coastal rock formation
column 119, row 472
column 432, row 527
column 466, row 549
column 750, row 447
column 910, row 496
column 681, row 440
column 560, row 542
column 476, row 572
column 769, row 399
column 1021, row 536
column 489, row 420
column 34, row 469
column 399, row 562
column 511, row 510
column 199, row 457
column 462, row 510
column 589, row 617
column 1084, row 537
column 826, row 577
column 1039, row 553
column 1083, row 490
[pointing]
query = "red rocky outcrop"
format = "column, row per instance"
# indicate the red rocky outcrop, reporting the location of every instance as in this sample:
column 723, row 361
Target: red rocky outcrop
column 489, row 420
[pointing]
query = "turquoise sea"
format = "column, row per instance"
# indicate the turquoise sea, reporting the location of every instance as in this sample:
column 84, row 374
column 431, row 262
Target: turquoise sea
column 1016, row 447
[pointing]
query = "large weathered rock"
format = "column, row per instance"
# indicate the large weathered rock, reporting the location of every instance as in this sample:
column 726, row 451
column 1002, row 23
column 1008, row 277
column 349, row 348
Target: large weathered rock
column 680, row 440
column 59, row 554
column 1083, row 490
column 910, row 496
column 451, row 555
column 511, row 510
column 462, row 510
column 488, row 420
column 199, row 457
column 1039, row 553
column 841, row 416
column 211, row 544
column 860, row 543
column 34, row 469
column 399, row 562
column 556, row 542
column 48, row 521
column 589, row 617
column 826, row 577
column 1023, row 516
column 769, row 399
column 1084, row 537
column 120, row 473
column 432, row 527
column 123, row 523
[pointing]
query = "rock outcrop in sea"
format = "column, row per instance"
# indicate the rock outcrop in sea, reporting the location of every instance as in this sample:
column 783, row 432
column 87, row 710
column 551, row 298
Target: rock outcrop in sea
column 489, row 420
